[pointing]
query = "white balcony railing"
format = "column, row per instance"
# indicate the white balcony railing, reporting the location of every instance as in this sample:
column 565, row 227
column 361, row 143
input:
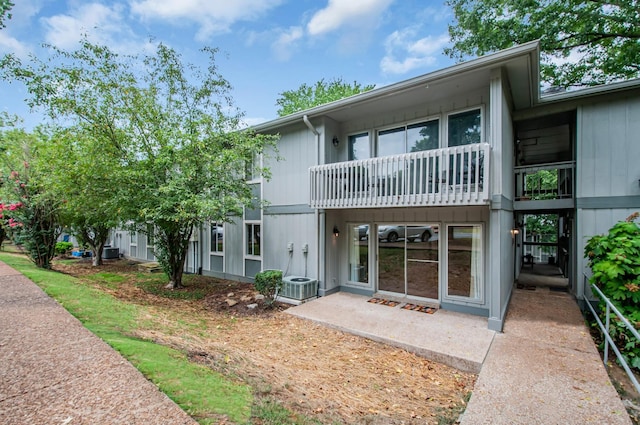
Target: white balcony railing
column 450, row 176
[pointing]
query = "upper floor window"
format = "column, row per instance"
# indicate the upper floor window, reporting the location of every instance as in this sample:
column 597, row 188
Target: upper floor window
column 359, row 146
column 252, row 171
column 423, row 136
column 415, row 137
column 464, row 128
column 391, row 142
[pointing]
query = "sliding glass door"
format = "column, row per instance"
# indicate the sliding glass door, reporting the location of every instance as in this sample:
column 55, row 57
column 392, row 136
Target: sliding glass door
column 422, row 262
column 408, row 260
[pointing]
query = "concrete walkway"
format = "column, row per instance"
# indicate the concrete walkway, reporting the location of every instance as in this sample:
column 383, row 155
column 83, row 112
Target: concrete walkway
column 543, row 369
column 54, row 371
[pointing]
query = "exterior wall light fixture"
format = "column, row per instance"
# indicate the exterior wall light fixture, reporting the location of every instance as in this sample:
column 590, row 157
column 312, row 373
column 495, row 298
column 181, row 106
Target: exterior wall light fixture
column 335, row 141
column 336, row 232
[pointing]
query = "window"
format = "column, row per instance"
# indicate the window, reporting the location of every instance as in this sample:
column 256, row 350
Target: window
column 217, row 238
column 252, row 171
column 391, row 142
column 416, row 137
column 150, row 235
column 359, row 253
column 465, row 128
column 464, row 261
column 253, row 239
column 423, row 136
column 133, row 243
column 359, row 146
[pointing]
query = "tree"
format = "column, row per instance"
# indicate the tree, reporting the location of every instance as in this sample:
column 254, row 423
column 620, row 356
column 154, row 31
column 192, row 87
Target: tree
column 5, row 7
column 605, row 35
column 85, row 175
column 322, row 92
column 29, row 210
column 171, row 128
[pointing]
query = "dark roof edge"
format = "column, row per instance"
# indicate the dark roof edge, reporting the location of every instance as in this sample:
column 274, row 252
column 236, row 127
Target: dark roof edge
column 590, row 91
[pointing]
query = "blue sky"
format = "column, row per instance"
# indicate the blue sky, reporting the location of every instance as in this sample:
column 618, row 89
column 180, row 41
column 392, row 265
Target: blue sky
column 266, row 46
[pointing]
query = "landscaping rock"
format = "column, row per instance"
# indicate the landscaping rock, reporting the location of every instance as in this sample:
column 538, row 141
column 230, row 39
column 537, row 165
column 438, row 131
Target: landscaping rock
column 252, row 306
column 231, row 302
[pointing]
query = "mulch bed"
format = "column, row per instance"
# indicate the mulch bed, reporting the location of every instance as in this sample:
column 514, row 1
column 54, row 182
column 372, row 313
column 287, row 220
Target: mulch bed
column 328, row 375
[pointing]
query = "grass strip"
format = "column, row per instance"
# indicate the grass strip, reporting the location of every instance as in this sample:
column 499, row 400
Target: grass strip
column 201, row 392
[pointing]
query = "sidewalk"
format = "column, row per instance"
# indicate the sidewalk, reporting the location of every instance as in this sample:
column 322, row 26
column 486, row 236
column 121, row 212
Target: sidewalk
column 54, row 371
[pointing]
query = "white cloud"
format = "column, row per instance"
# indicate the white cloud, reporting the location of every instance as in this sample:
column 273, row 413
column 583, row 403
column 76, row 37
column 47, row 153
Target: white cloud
column 212, row 16
column 405, row 53
column 100, row 23
column 339, row 13
column 11, row 45
column 286, row 43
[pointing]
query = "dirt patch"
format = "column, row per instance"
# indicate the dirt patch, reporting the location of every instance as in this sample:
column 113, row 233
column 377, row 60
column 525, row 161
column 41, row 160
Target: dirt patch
column 329, row 375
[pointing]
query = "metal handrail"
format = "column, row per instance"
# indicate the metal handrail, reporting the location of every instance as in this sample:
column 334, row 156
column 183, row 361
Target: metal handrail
column 605, row 330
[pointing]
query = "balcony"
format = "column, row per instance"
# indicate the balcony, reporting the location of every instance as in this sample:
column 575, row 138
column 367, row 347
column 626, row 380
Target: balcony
column 439, row 177
column 545, row 186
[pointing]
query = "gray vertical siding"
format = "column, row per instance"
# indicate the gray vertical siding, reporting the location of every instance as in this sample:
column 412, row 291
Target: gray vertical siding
column 608, row 152
column 297, row 229
column 289, row 182
column 608, row 169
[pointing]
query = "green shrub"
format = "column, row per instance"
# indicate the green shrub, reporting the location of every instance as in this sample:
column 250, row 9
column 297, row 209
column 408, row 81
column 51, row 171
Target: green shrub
column 614, row 259
column 63, row 247
column 268, row 283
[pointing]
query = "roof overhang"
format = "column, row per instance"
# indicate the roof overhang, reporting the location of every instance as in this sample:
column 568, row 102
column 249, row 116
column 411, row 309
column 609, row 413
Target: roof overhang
column 592, row 91
column 520, row 65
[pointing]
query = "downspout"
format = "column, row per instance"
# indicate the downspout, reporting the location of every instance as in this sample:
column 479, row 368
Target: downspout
column 201, row 239
column 320, row 219
column 311, row 127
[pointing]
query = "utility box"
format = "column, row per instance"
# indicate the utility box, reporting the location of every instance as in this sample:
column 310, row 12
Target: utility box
column 299, row 287
column 110, row 253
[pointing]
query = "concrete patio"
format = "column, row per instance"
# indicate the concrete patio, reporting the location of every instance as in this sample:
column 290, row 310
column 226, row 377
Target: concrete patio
column 544, row 368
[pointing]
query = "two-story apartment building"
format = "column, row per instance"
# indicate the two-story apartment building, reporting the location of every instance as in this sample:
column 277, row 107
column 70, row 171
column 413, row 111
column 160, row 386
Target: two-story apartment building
column 418, row 190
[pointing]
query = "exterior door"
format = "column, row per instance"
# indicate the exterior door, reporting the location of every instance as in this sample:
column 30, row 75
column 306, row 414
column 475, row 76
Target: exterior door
column 422, row 262
column 408, row 260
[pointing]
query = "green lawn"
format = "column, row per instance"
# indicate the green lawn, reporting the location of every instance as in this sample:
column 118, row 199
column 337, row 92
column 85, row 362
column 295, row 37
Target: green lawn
column 201, row 392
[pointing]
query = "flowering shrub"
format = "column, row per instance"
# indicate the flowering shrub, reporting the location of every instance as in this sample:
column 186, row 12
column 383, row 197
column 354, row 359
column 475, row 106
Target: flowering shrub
column 32, row 220
column 614, row 259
